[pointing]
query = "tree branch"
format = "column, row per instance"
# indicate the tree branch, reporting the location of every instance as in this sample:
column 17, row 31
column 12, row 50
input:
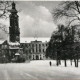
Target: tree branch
column 77, row 5
column 72, row 21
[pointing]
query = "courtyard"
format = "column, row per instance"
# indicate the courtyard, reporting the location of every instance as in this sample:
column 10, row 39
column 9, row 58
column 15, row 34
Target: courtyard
column 38, row 70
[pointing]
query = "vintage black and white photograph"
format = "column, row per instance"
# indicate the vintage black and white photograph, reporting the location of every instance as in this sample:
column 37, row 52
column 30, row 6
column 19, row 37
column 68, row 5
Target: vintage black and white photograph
column 39, row 40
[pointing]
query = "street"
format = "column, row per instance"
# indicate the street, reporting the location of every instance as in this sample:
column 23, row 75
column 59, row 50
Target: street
column 37, row 70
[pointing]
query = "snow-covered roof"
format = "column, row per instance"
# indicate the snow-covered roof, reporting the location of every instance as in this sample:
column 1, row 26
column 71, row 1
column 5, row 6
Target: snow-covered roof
column 14, row 43
column 29, row 39
column 17, row 54
column 15, row 48
column 2, row 41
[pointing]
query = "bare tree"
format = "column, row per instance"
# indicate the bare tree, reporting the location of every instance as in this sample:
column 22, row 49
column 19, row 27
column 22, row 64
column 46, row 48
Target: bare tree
column 68, row 9
column 4, row 11
column 4, row 8
column 71, row 11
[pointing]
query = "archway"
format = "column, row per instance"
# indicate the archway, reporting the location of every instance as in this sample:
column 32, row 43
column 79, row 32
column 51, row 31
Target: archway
column 33, row 57
column 37, row 57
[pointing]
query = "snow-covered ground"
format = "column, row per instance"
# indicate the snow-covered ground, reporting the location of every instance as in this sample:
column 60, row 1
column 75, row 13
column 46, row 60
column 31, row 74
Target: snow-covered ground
column 38, row 70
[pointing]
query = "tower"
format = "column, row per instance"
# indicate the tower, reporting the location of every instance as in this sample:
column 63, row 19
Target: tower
column 14, row 30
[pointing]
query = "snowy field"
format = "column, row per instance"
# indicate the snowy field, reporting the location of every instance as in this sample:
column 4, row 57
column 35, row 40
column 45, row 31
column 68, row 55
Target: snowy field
column 38, row 70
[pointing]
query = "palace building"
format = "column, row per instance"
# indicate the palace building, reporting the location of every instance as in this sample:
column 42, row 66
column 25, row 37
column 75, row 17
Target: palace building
column 35, row 50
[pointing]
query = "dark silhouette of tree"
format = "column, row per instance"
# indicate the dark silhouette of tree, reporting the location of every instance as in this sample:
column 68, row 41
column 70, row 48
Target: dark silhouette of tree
column 55, row 47
column 62, row 46
column 71, row 11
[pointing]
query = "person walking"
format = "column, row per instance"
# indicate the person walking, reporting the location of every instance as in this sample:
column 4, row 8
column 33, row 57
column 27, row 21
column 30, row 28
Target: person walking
column 50, row 63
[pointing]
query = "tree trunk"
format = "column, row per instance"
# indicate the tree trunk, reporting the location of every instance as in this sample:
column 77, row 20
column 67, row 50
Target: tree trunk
column 65, row 63
column 71, row 62
column 59, row 61
column 75, row 62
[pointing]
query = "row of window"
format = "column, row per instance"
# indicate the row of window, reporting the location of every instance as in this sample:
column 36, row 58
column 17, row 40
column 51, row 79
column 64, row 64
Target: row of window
column 38, row 57
column 33, row 45
column 36, row 51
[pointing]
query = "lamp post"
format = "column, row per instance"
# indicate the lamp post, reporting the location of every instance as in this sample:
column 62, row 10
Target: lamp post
column 17, row 56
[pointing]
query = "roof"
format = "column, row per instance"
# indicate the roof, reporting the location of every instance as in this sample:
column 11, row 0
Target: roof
column 14, row 48
column 14, row 43
column 35, row 41
column 2, row 41
column 30, row 39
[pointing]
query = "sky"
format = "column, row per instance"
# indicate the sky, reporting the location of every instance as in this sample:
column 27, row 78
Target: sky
column 35, row 18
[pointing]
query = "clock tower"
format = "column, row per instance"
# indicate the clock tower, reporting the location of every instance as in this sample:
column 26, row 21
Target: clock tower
column 14, row 30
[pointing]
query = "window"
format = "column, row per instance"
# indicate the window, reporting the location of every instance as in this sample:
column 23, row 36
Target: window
column 43, row 50
column 33, row 50
column 36, row 47
column 39, row 50
column 29, row 51
column 21, row 45
column 28, row 44
column 32, row 45
column 39, row 46
column 43, row 44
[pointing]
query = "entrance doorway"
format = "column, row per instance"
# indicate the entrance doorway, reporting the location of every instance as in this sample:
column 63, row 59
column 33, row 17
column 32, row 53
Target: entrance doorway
column 37, row 57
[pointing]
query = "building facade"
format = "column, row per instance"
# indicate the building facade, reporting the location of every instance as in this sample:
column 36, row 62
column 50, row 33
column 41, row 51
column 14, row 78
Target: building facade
column 35, row 50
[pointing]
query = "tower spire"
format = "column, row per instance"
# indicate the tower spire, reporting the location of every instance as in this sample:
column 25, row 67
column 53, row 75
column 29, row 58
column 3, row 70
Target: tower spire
column 13, row 10
column 14, row 30
column 13, row 5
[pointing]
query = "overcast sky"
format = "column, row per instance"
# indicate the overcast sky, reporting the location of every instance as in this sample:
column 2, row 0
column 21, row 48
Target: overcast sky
column 35, row 18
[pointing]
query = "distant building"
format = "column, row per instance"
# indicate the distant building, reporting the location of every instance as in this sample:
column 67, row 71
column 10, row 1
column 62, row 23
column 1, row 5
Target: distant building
column 35, row 50
column 8, row 51
column 4, row 56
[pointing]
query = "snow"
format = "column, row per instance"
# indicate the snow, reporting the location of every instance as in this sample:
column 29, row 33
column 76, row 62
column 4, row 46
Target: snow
column 17, row 54
column 14, row 47
column 14, row 43
column 39, row 70
column 1, row 41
